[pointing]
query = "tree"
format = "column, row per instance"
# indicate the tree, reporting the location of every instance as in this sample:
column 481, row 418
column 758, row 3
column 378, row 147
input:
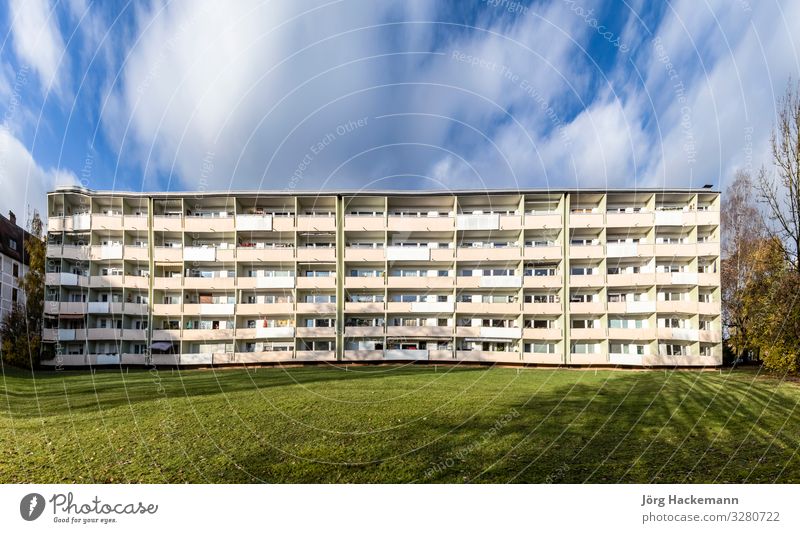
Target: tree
column 772, row 301
column 22, row 327
column 742, row 232
column 782, row 195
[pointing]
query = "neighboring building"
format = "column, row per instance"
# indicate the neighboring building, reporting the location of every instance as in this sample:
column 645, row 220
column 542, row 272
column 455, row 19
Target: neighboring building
column 13, row 262
column 555, row 277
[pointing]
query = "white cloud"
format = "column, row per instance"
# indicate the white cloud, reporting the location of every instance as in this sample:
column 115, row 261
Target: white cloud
column 37, row 40
column 23, row 182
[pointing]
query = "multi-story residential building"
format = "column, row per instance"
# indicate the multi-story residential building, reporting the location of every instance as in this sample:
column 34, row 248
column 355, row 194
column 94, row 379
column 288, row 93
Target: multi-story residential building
column 13, row 263
column 570, row 277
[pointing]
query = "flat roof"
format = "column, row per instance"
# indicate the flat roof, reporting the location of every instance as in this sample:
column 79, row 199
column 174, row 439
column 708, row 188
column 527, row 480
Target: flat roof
column 383, row 192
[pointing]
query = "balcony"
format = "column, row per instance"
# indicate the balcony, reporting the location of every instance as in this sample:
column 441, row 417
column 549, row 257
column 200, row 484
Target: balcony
column 162, row 223
column 134, row 309
column 586, row 220
column 137, row 282
column 421, row 223
column 442, row 255
column 72, row 251
column 114, row 308
column 197, row 358
column 640, row 307
column 209, row 224
column 135, row 223
column 500, row 333
column 708, row 279
column 675, row 218
column 441, row 355
column 326, row 255
column 489, row 254
column 326, row 308
column 471, row 308
column 139, row 335
column 253, row 222
column 629, row 250
column 364, row 331
column 542, row 252
column 643, row 279
column 253, row 254
column 676, row 278
column 316, row 332
column 680, row 306
column 208, row 309
column 542, row 308
column 172, row 282
column 362, row 355
column 200, row 253
column 324, row 282
column 167, row 309
column 594, row 251
column 265, row 309
column 408, row 253
column 72, row 308
column 587, row 333
column 259, row 332
column 406, row 355
column 430, row 307
column 367, row 307
column 165, row 359
column 500, row 282
column 420, row 282
column 102, row 282
column 679, row 334
column 709, row 336
column 707, row 218
column 133, row 359
column 103, row 334
column 49, row 334
column 209, row 283
column 419, row 331
column 359, row 282
column 542, row 334
column 66, row 279
column 542, row 282
column 676, row 250
column 629, row 220
column 708, row 308
column 166, row 334
column 596, row 308
column 315, row 355
column 594, row 280
column 307, row 223
column 364, row 223
column 543, row 358
column 633, row 334
column 168, row 254
column 137, row 253
column 708, row 249
column 263, row 357
column 510, row 222
column 106, row 222
column 375, row 255
column 599, row 358
column 478, row 222
column 543, row 221
column 207, row 334
column 55, row 224
column 489, row 357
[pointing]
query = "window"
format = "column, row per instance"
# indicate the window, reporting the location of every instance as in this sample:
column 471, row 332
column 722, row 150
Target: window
column 539, row 347
column 15, row 269
column 674, row 349
column 12, row 243
column 13, row 295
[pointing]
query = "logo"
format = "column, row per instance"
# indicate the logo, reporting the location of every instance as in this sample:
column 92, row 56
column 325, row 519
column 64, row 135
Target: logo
column 31, row 506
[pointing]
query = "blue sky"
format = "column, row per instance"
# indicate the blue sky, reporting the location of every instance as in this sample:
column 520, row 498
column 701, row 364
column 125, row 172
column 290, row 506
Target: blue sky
column 325, row 94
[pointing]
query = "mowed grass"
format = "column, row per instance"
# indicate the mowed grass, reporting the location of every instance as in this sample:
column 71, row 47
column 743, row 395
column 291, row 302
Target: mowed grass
column 404, row 424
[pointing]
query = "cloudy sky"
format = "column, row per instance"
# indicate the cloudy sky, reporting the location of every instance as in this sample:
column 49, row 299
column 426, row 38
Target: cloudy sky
column 420, row 94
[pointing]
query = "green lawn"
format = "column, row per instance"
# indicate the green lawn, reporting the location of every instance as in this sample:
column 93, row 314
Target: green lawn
column 398, row 424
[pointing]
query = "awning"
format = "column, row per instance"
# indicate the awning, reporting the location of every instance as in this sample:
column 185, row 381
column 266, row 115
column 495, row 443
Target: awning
column 161, row 346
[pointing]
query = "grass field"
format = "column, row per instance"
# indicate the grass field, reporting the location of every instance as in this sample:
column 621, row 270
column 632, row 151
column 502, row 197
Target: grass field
column 398, row 424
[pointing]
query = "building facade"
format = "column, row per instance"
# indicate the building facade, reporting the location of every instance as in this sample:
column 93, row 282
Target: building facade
column 13, row 263
column 570, row 277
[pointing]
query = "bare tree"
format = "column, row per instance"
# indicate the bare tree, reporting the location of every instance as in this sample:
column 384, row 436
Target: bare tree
column 743, row 229
column 782, row 194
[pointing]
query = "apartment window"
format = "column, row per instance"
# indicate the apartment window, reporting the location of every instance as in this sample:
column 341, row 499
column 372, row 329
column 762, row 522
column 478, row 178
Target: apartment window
column 15, row 270
column 539, row 347
column 672, row 322
column 626, row 349
column 583, row 347
column 541, row 324
column 13, row 295
column 674, row 349
column 705, row 350
column 705, row 325
column 582, row 271
column 541, row 298
column 704, row 297
column 12, row 243
column 320, row 322
column 583, row 324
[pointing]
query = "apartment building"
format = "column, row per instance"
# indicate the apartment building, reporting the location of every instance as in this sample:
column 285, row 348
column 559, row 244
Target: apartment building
column 13, row 263
column 569, row 277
